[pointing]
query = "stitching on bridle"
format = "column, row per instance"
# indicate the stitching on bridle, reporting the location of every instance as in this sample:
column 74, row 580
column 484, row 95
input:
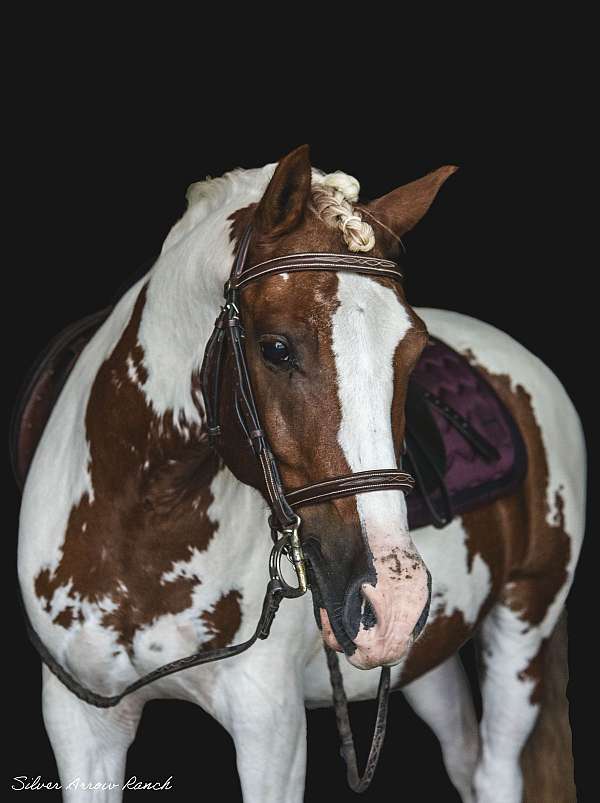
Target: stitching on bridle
column 350, row 491
column 376, row 472
column 314, row 266
column 347, row 258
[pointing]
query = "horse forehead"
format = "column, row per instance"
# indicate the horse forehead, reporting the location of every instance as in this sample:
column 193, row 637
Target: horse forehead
column 310, row 296
column 317, row 295
column 370, row 320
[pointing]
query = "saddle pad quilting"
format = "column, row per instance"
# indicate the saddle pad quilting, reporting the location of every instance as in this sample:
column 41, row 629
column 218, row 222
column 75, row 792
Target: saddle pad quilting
column 471, row 481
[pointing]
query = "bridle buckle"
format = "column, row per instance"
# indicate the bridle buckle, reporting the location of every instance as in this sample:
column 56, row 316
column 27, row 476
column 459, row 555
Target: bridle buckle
column 290, row 546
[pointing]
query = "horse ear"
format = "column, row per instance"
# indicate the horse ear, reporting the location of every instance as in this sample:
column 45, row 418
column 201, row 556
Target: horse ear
column 402, row 208
column 282, row 206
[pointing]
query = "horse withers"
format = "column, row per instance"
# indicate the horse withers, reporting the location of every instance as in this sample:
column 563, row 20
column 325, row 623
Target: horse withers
column 140, row 544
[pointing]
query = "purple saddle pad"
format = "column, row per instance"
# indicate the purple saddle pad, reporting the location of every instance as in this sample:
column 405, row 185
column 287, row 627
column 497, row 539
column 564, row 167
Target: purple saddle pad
column 448, row 384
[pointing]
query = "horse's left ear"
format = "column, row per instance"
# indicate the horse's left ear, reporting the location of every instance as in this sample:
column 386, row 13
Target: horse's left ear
column 283, row 204
column 404, row 207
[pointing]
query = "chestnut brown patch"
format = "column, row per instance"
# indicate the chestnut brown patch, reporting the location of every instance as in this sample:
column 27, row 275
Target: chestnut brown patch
column 64, row 618
column 44, row 588
column 223, row 621
column 151, row 493
column 440, row 639
column 137, row 360
column 534, row 672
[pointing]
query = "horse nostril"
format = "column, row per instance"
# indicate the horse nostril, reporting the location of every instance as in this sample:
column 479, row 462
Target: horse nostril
column 357, row 610
column 367, row 615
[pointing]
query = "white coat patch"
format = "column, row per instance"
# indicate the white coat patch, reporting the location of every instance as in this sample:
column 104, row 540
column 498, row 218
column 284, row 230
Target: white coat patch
column 455, row 587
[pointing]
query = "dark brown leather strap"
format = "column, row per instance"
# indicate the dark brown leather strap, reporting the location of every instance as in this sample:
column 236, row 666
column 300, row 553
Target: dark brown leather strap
column 210, row 377
column 292, row 263
column 272, row 599
column 362, row 482
column 251, row 423
column 356, row 782
column 239, row 262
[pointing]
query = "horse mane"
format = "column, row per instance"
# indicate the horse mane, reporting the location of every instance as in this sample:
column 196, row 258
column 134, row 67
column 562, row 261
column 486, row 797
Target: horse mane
column 333, row 196
column 211, row 191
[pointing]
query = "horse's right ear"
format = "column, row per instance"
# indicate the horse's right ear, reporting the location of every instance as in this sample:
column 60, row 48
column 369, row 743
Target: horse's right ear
column 282, row 206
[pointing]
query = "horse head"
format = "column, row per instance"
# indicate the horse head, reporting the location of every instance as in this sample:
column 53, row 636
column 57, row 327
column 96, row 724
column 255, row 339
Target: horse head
column 329, row 357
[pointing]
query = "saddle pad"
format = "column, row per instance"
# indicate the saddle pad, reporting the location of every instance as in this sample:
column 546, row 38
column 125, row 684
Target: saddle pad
column 42, row 388
column 470, row 479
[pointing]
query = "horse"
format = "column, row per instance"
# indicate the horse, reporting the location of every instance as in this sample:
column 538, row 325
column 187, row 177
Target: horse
column 139, row 543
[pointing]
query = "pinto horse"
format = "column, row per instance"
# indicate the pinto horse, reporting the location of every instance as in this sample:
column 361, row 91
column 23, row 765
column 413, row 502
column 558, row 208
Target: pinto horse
column 139, row 544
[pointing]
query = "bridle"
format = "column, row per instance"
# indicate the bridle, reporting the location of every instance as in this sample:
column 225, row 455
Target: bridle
column 229, row 332
column 284, row 521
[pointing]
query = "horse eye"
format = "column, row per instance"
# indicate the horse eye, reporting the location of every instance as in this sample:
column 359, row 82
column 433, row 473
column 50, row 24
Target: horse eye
column 275, row 351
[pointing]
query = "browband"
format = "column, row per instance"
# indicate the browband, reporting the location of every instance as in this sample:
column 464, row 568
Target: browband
column 293, row 263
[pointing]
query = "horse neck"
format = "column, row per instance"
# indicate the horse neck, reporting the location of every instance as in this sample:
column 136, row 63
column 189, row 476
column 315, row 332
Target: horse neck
column 184, row 295
column 161, row 352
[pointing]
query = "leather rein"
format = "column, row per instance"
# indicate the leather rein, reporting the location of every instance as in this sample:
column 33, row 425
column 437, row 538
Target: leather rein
column 284, row 521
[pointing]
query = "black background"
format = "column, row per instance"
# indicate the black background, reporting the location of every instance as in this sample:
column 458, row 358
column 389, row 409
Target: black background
column 102, row 164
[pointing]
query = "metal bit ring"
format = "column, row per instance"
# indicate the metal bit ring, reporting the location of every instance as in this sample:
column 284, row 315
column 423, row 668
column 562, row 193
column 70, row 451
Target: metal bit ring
column 289, row 545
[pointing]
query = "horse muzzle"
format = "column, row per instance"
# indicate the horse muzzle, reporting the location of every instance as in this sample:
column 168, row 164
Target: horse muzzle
column 375, row 615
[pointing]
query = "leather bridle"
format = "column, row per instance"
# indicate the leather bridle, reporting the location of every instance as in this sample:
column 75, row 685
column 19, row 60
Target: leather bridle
column 228, row 332
column 284, row 520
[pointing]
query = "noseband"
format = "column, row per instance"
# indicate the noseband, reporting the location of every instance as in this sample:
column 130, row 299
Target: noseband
column 284, row 521
column 229, row 331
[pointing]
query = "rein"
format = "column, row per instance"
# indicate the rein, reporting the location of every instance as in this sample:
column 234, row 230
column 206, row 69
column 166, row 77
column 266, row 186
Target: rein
column 284, row 521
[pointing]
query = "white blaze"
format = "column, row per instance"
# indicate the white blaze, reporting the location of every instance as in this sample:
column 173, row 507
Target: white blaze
column 367, row 327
